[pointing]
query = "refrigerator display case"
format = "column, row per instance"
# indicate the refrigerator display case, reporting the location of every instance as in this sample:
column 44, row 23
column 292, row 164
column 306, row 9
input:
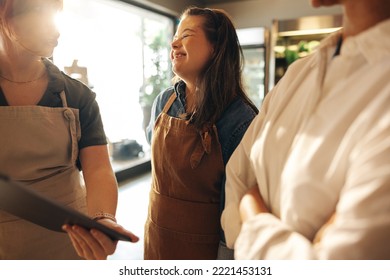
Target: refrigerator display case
column 254, row 43
column 296, row 38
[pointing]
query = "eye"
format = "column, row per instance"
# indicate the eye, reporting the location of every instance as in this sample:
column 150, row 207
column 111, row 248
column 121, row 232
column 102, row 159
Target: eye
column 181, row 37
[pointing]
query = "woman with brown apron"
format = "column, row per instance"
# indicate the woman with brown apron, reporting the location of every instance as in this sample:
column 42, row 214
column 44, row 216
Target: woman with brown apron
column 50, row 127
column 195, row 127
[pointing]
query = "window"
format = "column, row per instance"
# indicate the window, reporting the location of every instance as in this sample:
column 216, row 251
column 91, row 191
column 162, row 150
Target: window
column 119, row 51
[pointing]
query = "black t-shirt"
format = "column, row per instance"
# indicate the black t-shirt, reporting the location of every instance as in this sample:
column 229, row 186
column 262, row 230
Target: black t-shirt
column 78, row 96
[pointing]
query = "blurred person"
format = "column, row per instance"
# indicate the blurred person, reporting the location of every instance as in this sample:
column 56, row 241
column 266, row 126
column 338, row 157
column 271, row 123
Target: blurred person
column 195, row 126
column 311, row 177
column 50, row 127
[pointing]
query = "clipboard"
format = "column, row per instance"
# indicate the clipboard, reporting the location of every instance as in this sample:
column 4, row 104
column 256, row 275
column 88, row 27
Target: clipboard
column 25, row 203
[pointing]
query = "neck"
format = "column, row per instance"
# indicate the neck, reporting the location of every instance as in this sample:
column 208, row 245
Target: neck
column 18, row 71
column 360, row 15
column 190, row 97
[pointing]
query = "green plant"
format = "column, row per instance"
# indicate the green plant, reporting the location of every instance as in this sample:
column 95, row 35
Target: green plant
column 158, row 70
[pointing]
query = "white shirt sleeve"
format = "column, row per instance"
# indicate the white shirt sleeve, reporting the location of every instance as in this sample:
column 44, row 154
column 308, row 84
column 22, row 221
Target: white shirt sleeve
column 240, row 176
column 362, row 223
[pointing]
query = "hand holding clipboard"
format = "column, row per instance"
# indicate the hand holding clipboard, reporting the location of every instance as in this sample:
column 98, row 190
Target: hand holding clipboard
column 21, row 201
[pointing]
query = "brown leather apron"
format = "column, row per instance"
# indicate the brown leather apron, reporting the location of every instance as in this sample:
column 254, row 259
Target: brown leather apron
column 187, row 169
column 39, row 147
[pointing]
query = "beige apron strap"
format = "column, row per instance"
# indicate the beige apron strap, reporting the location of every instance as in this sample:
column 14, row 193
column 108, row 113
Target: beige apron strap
column 169, row 103
column 70, row 116
column 63, row 99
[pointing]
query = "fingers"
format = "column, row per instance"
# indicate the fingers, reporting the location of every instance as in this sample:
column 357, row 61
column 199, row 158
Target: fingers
column 124, row 231
column 73, row 240
column 318, row 237
column 91, row 245
column 104, row 242
column 251, row 204
column 119, row 229
column 255, row 193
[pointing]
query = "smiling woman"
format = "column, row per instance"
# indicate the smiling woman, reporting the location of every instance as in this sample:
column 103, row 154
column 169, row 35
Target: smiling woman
column 195, row 127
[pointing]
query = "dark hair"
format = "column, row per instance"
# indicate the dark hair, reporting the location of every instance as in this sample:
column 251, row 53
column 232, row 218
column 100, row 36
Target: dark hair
column 220, row 81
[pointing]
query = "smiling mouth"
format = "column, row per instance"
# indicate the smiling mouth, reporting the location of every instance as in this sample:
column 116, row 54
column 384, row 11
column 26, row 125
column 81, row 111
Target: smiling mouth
column 178, row 55
column 53, row 43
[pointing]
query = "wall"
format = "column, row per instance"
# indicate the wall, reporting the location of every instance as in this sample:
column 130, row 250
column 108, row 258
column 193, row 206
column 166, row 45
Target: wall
column 252, row 13
column 172, row 7
column 256, row 13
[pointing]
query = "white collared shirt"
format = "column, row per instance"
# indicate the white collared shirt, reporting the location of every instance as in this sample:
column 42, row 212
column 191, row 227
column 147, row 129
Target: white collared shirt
column 320, row 145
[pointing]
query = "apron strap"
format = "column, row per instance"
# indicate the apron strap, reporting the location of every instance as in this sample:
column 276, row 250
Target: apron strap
column 204, row 146
column 63, row 99
column 169, row 103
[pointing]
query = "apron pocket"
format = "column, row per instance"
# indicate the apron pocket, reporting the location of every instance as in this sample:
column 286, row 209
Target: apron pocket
column 163, row 243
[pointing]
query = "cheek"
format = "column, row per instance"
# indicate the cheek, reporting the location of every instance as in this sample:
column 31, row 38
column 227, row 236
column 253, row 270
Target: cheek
column 203, row 54
column 35, row 27
column 24, row 29
column 30, row 38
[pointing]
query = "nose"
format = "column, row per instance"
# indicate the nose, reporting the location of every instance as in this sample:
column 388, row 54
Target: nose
column 175, row 43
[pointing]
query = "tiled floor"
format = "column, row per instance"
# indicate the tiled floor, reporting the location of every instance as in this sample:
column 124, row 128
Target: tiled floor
column 131, row 213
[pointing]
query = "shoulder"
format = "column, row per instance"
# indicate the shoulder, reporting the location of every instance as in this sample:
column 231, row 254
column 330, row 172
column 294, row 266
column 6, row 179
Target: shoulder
column 236, row 113
column 77, row 93
column 233, row 124
column 157, row 107
column 236, row 119
column 163, row 97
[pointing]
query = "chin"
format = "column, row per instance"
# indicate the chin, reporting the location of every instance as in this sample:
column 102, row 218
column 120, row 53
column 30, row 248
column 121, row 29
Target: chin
column 176, row 70
column 319, row 3
column 47, row 54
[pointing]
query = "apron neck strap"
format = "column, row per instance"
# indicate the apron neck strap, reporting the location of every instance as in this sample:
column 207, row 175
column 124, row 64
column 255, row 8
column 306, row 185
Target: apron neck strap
column 169, row 103
column 63, row 99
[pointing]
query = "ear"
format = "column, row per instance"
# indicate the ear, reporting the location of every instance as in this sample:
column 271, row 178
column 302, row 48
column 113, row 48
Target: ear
column 212, row 51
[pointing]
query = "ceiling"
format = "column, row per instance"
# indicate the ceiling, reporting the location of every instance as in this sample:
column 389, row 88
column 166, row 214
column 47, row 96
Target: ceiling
column 212, row 2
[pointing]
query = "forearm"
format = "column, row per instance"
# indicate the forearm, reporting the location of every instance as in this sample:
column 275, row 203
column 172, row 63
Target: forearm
column 252, row 204
column 238, row 178
column 100, row 181
column 264, row 236
column 102, row 192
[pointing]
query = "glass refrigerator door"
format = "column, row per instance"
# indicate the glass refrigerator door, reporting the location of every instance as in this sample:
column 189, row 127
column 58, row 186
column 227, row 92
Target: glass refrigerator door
column 296, row 38
column 253, row 42
column 254, row 73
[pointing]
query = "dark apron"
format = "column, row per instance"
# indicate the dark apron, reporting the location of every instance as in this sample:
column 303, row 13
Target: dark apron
column 184, row 209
